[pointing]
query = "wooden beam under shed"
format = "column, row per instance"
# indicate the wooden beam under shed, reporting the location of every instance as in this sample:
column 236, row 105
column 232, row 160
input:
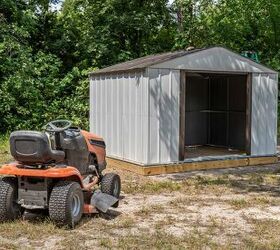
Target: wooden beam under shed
column 189, row 166
column 262, row 160
column 124, row 165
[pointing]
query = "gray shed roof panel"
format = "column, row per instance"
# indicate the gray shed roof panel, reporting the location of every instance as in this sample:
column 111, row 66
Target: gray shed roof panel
column 144, row 62
column 150, row 60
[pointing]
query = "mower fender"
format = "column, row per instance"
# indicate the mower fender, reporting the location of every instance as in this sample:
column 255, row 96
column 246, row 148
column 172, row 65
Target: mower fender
column 97, row 146
column 16, row 169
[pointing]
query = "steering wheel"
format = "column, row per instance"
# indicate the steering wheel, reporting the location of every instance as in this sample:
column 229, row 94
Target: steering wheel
column 58, row 125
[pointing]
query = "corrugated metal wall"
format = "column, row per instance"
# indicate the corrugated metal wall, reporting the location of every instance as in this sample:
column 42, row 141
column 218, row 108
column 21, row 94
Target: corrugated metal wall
column 118, row 113
column 164, row 93
column 264, row 114
column 138, row 116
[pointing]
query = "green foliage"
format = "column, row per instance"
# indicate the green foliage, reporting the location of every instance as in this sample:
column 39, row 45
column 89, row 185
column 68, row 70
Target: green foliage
column 112, row 31
column 4, row 148
column 46, row 55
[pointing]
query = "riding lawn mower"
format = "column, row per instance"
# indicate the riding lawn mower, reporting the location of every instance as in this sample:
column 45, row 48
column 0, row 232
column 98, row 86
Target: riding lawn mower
column 58, row 171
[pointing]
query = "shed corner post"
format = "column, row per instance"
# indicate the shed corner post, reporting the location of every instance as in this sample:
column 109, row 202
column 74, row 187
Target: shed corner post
column 182, row 110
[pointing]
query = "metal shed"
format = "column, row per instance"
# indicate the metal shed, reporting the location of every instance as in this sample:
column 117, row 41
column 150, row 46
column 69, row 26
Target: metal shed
column 177, row 109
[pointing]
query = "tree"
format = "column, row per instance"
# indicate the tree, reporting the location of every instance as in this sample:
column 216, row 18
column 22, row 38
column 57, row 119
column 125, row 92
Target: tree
column 111, row 31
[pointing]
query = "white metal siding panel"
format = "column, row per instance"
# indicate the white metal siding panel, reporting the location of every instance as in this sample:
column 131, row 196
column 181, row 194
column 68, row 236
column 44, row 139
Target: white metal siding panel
column 214, row 59
column 164, row 86
column 154, row 99
column 272, row 92
column 108, row 113
column 118, row 122
column 92, row 103
column 175, row 114
column 264, row 114
column 114, row 115
column 118, row 113
column 145, row 92
column 102, row 116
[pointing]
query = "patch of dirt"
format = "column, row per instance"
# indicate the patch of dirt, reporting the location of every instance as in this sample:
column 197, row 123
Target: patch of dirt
column 205, row 208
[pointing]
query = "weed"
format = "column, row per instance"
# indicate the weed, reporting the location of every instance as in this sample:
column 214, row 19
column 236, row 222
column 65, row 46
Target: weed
column 31, row 230
column 256, row 179
column 105, row 242
column 202, row 180
column 125, row 222
column 265, row 235
column 239, row 203
column 152, row 187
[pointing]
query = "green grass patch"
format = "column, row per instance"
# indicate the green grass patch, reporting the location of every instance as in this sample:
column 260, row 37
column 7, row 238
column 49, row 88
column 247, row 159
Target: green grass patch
column 161, row 240
column 4, row 149
column 207, row 181
column 152, row 187
column 264, row 236
column 239, row 203
column 30, row 230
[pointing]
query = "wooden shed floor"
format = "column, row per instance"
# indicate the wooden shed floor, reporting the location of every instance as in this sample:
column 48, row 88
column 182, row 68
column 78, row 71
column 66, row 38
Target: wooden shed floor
column 200, row 151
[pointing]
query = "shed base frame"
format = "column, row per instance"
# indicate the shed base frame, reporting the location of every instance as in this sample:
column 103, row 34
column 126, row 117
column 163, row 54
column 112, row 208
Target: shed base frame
column 178, row 167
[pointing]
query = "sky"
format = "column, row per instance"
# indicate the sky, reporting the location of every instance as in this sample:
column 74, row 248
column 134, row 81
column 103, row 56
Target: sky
column 56, row 7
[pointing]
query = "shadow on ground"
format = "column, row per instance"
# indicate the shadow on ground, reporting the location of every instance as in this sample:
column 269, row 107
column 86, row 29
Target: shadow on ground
column 241, row 179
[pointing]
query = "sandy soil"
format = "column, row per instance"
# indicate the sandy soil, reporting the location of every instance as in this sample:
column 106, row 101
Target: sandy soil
column 215, row 209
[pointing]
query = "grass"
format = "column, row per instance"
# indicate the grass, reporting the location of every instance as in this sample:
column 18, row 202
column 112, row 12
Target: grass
column 125, row 223
column 239, row 203
column 202, row 180
column 162, row 240
column 29, row 230
column 4, row 149
column 152, row 187
column 150, row 210
column 265, row 234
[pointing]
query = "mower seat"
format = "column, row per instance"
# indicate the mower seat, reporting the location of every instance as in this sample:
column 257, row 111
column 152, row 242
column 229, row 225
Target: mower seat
column 32, row 147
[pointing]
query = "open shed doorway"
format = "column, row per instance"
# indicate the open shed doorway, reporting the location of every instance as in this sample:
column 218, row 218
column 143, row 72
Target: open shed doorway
column 216, row 115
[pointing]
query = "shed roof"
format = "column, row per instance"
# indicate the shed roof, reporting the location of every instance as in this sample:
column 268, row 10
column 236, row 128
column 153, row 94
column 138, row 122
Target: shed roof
column 150, row 60
column 146, row 61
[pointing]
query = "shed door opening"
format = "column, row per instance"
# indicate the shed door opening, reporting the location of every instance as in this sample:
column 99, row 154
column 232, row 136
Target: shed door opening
column 215, row 119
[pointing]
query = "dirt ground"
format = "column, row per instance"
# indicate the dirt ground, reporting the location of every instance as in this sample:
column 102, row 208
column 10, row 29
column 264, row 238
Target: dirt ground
column 216, row 209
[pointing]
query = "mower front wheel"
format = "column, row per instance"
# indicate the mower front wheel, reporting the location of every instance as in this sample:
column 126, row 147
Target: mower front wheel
column 111, row 184
column 66, row 203
column 9, row 208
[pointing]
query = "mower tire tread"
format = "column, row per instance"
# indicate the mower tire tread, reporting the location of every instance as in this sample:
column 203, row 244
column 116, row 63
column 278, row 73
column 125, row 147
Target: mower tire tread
column 8, row 210
column 107, row 185
column 60, row 205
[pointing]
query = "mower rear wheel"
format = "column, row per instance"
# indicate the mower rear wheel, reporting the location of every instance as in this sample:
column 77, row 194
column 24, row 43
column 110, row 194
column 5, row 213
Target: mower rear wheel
column 66, row 203
column 111, row 184
column 9, row 208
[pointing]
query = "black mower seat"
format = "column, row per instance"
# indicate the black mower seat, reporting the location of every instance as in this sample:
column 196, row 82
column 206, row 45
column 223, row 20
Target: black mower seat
column 32, row 147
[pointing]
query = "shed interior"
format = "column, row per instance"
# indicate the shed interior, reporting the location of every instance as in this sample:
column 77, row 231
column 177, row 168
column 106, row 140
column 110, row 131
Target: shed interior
column 215, row 118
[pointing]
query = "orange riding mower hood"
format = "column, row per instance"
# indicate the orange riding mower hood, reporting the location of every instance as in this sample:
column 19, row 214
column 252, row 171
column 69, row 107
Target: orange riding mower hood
column 17, row 169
